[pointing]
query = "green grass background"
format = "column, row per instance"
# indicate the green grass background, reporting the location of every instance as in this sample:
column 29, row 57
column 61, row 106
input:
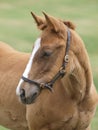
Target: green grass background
column 18, row 29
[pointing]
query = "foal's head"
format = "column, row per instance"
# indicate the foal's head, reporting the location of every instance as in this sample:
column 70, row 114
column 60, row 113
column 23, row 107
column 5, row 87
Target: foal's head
column 46, row 59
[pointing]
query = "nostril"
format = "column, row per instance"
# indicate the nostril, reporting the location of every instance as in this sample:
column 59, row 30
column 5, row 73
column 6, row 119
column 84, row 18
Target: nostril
column 22, row 93
column 35, row 94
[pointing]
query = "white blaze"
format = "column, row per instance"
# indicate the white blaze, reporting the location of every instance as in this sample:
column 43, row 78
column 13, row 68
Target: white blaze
column 29, row 65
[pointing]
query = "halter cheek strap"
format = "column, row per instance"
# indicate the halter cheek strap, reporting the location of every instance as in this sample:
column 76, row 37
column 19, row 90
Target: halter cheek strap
column 60, row 73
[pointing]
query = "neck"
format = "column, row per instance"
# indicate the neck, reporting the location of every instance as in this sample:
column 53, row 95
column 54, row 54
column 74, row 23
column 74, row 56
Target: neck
column 78, row 80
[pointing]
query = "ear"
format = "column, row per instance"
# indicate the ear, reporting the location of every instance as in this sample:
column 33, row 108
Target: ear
column 41, row 23
column 69, row 24
column 53, row 23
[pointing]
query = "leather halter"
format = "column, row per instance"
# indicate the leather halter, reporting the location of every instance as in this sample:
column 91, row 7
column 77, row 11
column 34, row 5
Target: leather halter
column 61, row 72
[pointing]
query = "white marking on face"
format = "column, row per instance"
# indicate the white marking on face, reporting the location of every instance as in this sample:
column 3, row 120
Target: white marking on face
column 18, row 87
column 29, row 65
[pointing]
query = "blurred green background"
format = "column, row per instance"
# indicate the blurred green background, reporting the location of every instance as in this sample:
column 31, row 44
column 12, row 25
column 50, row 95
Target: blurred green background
column 18, row 29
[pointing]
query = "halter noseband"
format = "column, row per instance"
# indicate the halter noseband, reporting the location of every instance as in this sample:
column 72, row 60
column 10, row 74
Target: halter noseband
column 60, row 73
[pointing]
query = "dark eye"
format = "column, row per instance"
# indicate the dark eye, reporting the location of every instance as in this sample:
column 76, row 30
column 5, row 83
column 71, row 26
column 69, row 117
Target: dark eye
column 47, row 53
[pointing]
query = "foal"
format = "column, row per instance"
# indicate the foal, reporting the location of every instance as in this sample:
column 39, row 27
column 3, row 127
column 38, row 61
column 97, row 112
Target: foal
column 73, row 102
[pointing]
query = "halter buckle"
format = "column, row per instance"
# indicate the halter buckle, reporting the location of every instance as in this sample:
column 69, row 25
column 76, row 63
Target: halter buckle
column 62, row 71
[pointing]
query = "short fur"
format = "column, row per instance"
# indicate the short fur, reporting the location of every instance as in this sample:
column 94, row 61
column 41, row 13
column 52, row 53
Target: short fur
column 12, row 64
column 73, row 103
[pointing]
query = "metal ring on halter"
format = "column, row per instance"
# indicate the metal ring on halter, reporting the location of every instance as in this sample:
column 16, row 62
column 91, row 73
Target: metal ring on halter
column 66, row 58
column 42, row 85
